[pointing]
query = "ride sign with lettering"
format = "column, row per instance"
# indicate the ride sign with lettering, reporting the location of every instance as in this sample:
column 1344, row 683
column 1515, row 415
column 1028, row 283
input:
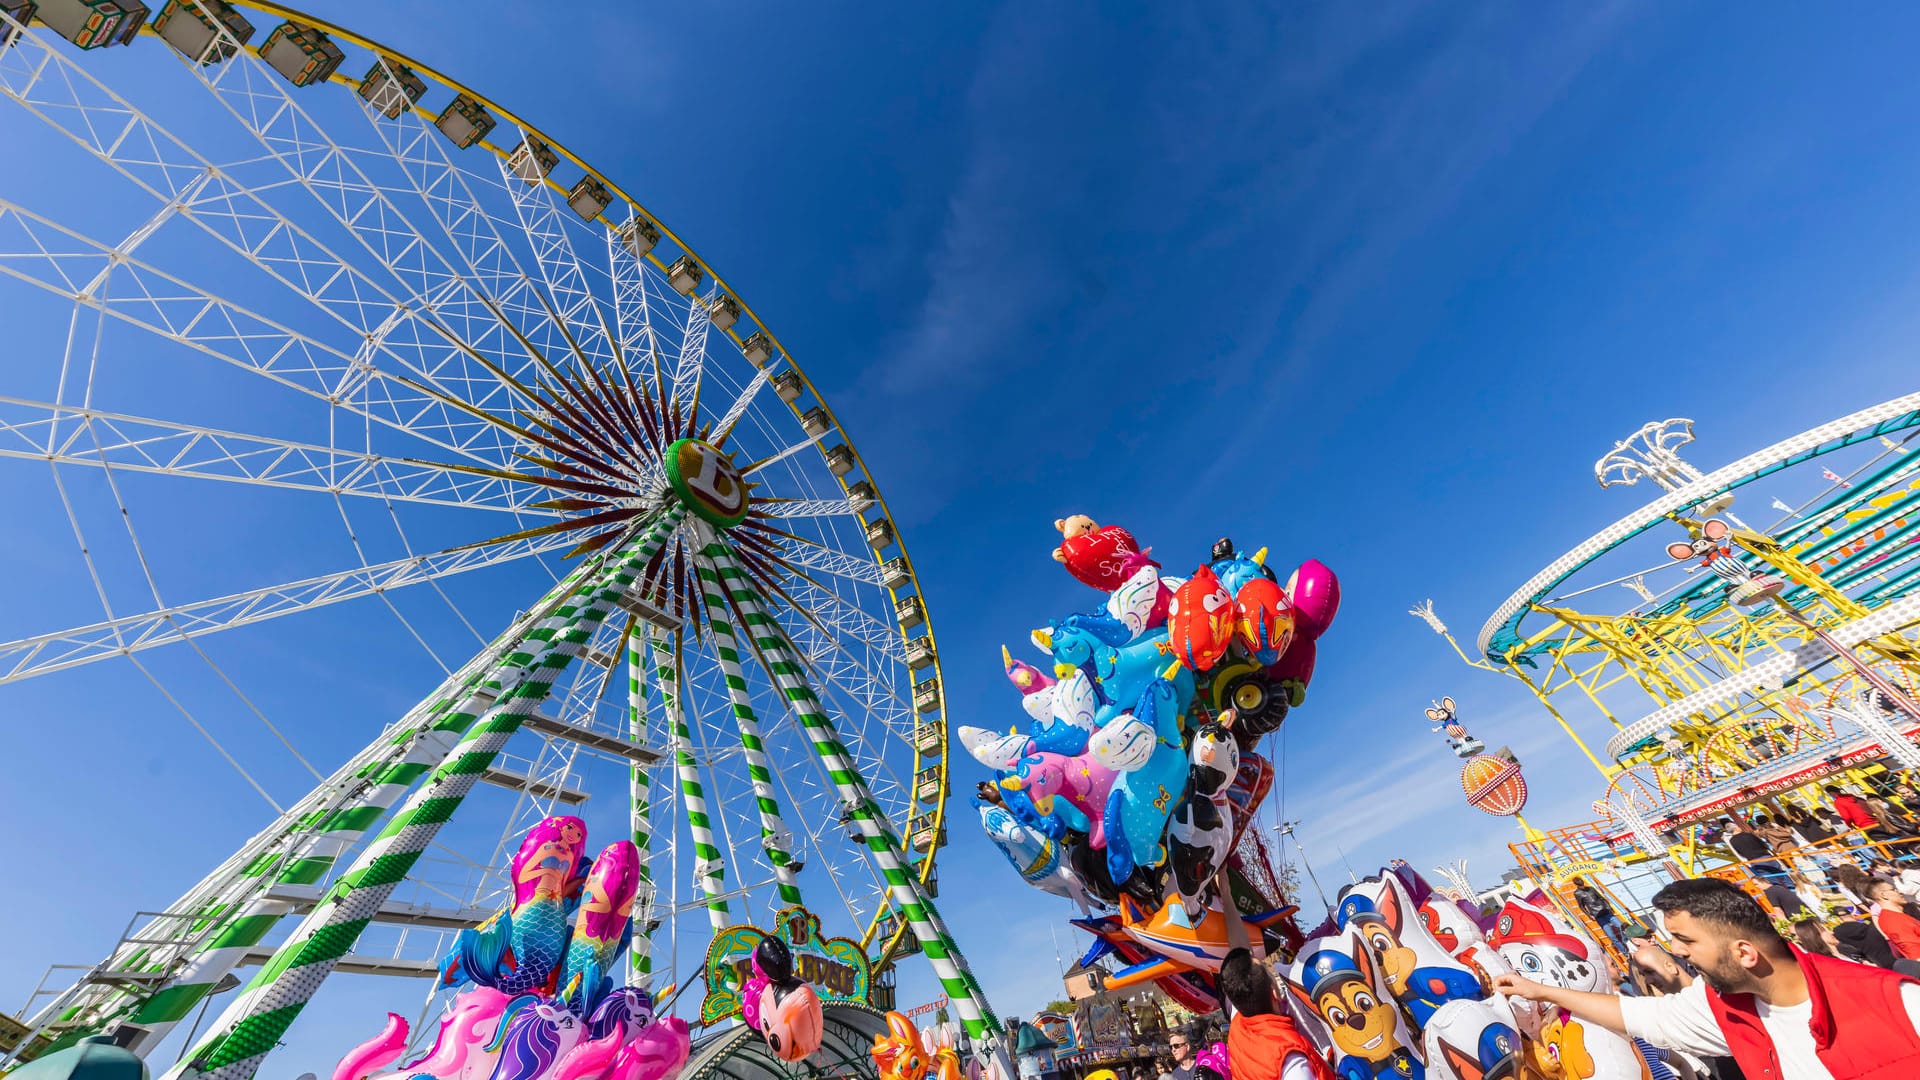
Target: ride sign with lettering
column 837, row 968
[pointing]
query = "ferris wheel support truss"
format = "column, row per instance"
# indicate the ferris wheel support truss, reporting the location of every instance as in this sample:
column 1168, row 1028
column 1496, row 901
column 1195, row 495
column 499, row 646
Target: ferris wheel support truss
column 199, row 940
column 640, row 792
column 709, row 870
column 905, row 889
column 252, row 1025
column 774, row 835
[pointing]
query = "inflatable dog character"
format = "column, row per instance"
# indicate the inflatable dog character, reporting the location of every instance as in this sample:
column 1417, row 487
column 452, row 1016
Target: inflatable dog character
column 1548, row 950
column 1338, row 980
column 1471, row 1040
column 1420, row 974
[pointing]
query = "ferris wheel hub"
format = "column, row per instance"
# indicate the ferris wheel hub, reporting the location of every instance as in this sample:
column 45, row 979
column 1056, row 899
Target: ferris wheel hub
column 705, row 478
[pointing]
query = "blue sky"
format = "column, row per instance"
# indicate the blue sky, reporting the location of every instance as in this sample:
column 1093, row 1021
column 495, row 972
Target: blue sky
column 1374, row 285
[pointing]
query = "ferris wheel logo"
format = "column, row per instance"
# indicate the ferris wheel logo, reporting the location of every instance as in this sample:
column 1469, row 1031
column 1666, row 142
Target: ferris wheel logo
column 707, row 480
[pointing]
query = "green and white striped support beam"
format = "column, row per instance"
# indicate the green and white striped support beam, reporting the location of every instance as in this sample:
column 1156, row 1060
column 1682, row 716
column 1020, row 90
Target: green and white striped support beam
column 252, row 1026
column 903, row 889
column 640, row 952
column 331, row 836
column 774, row 835
column 710, row 869
column 323, row 836
column 173, row 944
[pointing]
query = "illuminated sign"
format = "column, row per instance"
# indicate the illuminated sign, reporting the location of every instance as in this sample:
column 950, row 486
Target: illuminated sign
column 837, row 967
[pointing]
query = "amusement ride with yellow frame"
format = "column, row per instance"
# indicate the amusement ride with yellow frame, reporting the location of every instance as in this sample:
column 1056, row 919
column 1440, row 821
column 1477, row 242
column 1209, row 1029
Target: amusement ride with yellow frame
column 1700, row 662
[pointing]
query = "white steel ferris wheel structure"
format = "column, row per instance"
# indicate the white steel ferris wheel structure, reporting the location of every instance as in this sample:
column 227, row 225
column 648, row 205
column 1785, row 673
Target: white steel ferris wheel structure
column 420, row 332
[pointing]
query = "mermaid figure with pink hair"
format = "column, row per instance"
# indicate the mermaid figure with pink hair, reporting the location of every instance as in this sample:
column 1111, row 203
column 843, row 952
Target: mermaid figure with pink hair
column 520, row 948
column 604, row 927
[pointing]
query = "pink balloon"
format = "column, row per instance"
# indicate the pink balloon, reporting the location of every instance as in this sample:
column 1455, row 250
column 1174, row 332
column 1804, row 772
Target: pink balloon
column 1315, row 593
column 657, row 1053
column 376, row 1053
column 589, row 1060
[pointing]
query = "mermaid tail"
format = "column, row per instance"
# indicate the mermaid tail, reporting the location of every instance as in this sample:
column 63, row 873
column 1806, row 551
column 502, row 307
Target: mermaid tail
column 480, row 953
column 376, row 1053
column 513, row 952
column 586, row 977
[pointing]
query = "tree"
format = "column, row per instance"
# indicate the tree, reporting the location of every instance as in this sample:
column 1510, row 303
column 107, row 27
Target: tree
column 1058, row 1005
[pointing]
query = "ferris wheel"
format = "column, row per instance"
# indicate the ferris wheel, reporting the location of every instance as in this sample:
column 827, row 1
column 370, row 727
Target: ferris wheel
column 295, row 322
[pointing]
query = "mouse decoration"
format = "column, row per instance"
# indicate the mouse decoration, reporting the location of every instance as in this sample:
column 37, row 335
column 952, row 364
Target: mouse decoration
column 1444, row 715
column 1713, row 549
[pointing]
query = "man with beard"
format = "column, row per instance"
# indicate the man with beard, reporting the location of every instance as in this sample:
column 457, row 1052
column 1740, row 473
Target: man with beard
column 1782, row 1014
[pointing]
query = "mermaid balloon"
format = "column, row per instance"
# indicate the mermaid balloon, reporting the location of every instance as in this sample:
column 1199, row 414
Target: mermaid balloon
column 520, row 949
column 604, row 926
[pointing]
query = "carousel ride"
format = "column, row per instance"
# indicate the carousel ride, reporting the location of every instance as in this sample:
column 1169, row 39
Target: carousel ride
column 322, row 355
column 1703, row 660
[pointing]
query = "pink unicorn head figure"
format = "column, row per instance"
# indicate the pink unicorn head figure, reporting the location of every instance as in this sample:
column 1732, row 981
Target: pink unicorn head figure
column 548, row 858
column 612, row 881
column 658, row 1053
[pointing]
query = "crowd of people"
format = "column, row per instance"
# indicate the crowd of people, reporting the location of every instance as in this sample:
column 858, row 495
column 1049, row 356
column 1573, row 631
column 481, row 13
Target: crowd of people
column 1841, row 877
column 1818, row 977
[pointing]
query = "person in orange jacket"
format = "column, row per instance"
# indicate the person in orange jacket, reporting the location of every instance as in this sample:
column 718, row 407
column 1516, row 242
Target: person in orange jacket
column 1262, row 1041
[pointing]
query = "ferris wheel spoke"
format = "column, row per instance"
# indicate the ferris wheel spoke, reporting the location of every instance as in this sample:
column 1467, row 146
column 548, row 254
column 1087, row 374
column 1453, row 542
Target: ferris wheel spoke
column 808, row 508
column 685, row 388
column 561, row 266
column 489, row 270
column 77, row 269
column 738, row 409
column 69, row 435
column 260, row 99
column 217, row 199
column 42, row 653
column 808, row 555
column 632, row 311
column 846, row 618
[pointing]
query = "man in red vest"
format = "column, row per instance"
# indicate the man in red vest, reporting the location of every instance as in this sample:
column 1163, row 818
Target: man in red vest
column 1780, row 1013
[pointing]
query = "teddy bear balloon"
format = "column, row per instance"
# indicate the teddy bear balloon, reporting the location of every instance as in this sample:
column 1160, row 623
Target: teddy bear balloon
column 1100, row 556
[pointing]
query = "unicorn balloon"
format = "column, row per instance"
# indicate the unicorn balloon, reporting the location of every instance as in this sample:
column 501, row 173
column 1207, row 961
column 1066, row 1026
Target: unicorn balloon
column 537, row 1036
column 460, row 1052
column 521, row 948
